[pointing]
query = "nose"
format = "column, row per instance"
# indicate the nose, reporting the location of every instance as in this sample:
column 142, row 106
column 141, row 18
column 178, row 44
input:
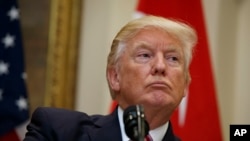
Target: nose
column 159, row 65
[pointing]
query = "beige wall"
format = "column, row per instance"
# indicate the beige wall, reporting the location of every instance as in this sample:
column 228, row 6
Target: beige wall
column 228, row 29
column 228, row 32
column 100, row 22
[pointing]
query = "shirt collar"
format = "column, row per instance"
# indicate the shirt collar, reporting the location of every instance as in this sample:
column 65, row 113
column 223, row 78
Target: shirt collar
column 120, row 117
column 158, row 133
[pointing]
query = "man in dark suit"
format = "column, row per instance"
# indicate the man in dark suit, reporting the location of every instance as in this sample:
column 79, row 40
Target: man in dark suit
column 148, row 65
column 51, row 124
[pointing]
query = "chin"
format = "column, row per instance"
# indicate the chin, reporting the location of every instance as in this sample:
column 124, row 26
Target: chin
column 159, row 97
column 159, row 100
column 153, row 103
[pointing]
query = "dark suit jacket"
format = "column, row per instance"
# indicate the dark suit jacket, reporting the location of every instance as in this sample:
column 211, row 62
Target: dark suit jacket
column 52, row 124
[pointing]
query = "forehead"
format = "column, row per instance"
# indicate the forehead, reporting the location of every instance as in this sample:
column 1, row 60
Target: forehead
column 153, row 37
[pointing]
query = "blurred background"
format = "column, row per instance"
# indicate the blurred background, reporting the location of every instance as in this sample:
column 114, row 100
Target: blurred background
column 66, row 43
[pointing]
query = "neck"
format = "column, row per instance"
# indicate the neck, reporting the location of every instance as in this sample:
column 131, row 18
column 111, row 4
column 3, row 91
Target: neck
column 156, row 118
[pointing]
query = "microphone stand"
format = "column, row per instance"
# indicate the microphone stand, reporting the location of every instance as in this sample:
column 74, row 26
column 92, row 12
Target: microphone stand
column 135, row 124
column 141, row 124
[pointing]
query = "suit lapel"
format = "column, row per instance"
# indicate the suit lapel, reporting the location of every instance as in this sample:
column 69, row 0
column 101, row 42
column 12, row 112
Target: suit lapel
column 107, row 129
column 169, row 136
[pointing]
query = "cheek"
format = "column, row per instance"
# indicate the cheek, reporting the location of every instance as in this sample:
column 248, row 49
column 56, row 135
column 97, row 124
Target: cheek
column 179, row 80
column 133, row 78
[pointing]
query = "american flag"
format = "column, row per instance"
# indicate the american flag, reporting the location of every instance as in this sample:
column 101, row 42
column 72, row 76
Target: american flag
column 13, row 95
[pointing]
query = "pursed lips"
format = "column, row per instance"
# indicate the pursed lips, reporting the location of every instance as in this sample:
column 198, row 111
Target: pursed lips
column 159, row 84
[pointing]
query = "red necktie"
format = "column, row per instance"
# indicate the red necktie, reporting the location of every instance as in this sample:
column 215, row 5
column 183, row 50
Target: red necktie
column 148, row 138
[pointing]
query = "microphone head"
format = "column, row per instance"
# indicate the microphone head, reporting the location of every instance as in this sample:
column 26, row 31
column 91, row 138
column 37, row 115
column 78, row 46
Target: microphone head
column 130, row 119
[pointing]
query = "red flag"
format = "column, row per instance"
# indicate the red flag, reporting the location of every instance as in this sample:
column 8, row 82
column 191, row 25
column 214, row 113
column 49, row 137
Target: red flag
column 10, row 136
column 197, row 117
column 113, row 106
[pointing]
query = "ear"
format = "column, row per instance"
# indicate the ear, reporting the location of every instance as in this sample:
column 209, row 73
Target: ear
column 113, row 79
column 186, row 91
column 187, row 83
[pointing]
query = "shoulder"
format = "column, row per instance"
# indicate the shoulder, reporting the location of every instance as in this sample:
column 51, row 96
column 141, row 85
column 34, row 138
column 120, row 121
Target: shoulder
column 58, row 112
column 58, row 124
column 59, row 115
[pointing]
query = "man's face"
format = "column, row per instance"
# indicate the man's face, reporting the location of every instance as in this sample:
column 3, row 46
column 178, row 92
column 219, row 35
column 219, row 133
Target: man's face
column 151, row 71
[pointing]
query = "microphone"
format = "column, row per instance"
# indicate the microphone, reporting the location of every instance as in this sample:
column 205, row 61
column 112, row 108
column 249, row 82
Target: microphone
column 136, row 126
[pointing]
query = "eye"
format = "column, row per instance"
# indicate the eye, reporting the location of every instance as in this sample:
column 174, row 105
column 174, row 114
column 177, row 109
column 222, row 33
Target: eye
column 143, row 57
column 173, row 58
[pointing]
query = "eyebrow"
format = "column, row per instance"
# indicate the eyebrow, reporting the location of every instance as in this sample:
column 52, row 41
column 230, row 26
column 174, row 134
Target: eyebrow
column 145, row 45
column 141, row 44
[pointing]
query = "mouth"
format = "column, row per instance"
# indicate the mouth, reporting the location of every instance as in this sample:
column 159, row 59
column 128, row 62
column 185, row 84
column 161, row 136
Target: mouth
column 159, row 84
